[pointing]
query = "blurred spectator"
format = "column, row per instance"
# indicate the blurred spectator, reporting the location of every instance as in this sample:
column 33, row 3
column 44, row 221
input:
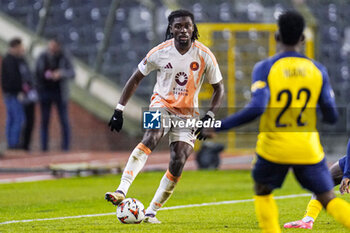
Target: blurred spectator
column 30, row 97
column 12, row 91
column 53, row 71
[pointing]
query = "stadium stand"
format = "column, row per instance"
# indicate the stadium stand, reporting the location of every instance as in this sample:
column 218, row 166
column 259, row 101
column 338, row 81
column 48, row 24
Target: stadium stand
column 81, row 27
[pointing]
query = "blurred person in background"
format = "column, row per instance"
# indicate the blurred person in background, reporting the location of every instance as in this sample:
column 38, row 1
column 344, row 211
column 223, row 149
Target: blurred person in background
column 30, row 97
column 54, row 69
column 12, row 87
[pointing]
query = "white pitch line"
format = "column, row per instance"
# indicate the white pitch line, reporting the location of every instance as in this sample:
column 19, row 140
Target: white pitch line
column 165, row 208
column 230, row 202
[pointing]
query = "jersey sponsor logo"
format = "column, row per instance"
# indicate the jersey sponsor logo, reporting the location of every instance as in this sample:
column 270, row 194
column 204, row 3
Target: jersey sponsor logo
column 181, row 78
column 168, row 66
column 180, row 91
column 194, row 66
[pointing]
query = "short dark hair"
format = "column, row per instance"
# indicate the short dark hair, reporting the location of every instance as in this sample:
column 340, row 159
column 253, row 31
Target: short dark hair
column 291, row 25
column 15, row 42
column 177, row 14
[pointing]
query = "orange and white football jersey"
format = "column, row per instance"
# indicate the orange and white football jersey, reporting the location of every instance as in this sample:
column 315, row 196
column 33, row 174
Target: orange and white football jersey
column 179, row 77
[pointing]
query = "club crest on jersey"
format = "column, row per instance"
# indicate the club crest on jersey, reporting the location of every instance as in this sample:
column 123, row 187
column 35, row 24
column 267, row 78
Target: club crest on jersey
column 194, row 66
column 181, row 78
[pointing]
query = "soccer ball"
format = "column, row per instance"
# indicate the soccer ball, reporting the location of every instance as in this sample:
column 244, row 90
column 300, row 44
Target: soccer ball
column 131, row 211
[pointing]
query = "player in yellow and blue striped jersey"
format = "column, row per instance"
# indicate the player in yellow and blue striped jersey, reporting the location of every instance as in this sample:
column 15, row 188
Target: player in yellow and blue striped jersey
column 287, row 90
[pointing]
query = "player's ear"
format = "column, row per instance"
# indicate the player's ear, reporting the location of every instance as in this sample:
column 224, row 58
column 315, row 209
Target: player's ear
column 277, row 36
column 302, row 38
column 171, row 29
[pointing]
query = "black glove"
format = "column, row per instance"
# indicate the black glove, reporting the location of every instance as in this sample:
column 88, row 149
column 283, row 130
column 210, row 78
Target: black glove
column 116, row 122
column 198, row 132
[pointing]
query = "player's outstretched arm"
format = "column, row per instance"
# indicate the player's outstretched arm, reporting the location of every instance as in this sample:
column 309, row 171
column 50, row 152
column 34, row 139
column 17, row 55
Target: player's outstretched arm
column 327, row 100
column 215, row 103
column 130, row 87
column 217, row 96
column 258, row 102
column 116, row 122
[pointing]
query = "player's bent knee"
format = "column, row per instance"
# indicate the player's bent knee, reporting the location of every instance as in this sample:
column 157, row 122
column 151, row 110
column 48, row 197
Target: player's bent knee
column 325, row 197
column 179, row 158
column 176, row 165
column 262, row 189
column 178, row 161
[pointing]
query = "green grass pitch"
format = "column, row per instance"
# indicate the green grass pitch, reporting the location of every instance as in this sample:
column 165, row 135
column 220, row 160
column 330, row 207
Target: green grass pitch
column 82, row 196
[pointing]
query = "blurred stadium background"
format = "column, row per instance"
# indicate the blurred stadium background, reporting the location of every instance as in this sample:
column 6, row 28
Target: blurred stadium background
column 108, row 38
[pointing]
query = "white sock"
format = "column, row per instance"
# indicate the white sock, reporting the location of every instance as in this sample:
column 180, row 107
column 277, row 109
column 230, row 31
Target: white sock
column 308, row 219
column 163, row 193
column 135, row 163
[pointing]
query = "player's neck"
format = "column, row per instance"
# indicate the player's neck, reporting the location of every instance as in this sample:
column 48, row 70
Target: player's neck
column 290, row 48
column 182, row 48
